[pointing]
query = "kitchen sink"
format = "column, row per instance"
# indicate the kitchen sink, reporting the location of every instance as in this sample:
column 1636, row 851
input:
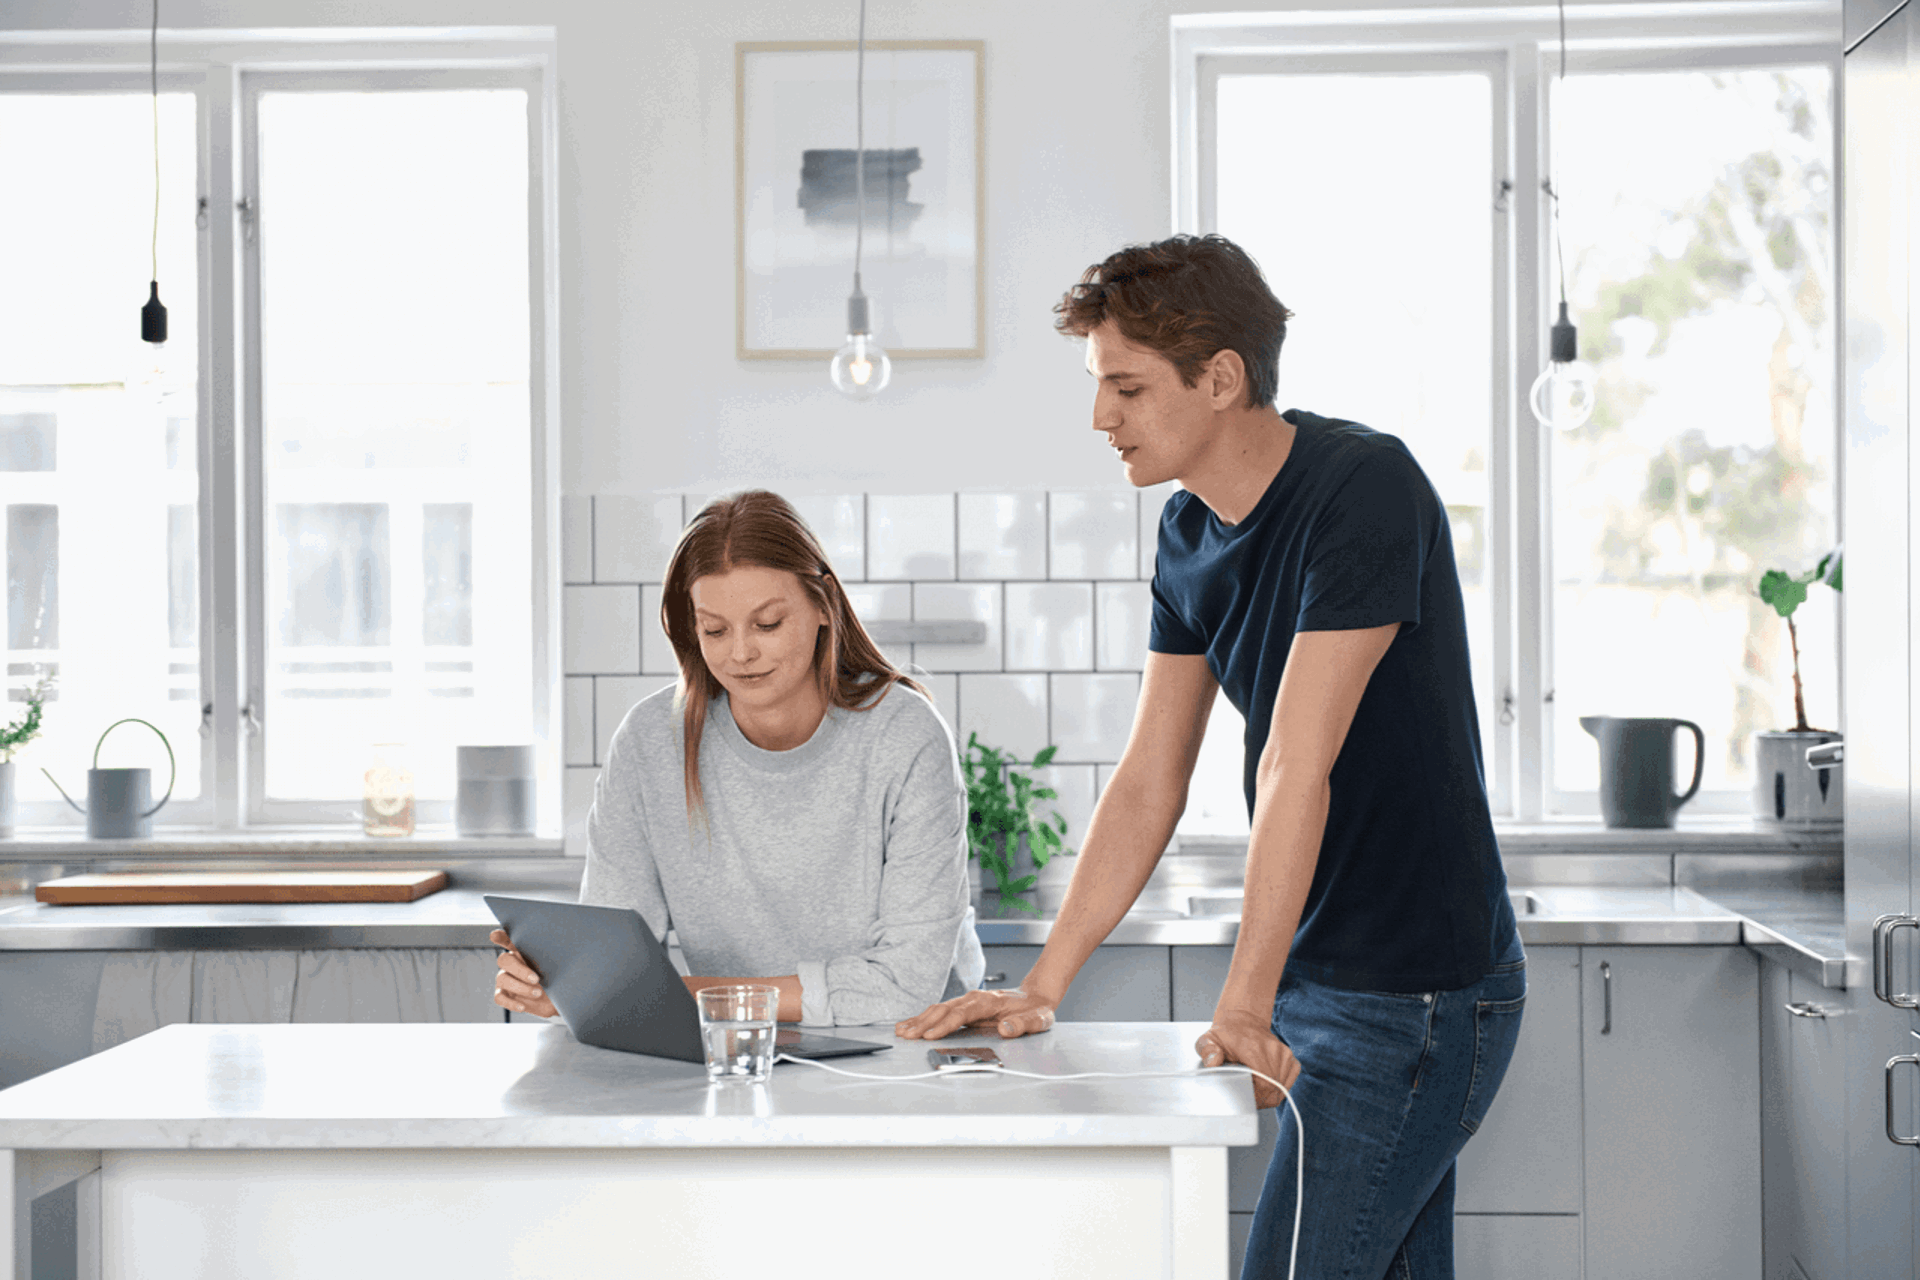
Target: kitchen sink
column 1227, row 902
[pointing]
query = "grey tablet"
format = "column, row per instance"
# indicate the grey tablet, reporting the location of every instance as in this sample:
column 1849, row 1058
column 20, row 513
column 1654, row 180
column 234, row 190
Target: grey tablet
column 614, row 986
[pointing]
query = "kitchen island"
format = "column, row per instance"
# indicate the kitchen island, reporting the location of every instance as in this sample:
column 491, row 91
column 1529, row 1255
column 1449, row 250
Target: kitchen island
column 322, row 1150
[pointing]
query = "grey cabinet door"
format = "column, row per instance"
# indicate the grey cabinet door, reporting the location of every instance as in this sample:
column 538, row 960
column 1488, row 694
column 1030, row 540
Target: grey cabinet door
column 1671, row 1108
column 1516, row 1247
column 1117, row 984
column 1816, row 1128
column 1526, row 1158
column 1778, row 1185
column 47, row 1003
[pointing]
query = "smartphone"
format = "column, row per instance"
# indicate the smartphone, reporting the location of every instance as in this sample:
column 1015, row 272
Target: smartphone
column 967, row 1059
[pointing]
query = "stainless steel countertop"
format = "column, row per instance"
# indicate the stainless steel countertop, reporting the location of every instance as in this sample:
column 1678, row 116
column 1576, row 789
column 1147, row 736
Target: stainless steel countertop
column 1799, row 927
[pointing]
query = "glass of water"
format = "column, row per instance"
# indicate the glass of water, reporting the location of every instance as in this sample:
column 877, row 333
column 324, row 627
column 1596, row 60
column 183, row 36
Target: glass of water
column 737, row 1027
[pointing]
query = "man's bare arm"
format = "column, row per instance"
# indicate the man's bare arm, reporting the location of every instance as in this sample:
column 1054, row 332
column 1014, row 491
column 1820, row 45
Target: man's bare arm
column 1326, row 673
column 1129, row 831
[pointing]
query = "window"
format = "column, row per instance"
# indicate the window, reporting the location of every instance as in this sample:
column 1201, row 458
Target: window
column 1386, row 168
column 352, row 544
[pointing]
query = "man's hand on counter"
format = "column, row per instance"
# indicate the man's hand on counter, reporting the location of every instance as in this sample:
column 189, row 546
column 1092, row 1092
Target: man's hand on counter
column 518, row 986
column 1247, row 1039
column 1011, row 1012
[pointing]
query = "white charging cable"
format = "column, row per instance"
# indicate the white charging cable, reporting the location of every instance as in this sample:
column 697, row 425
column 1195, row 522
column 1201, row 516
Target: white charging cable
column 997, row 1069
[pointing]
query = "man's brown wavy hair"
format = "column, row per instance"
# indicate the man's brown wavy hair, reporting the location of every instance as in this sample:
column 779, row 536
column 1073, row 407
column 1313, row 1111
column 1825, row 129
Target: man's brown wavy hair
column 1187, row 297
column 757, row 527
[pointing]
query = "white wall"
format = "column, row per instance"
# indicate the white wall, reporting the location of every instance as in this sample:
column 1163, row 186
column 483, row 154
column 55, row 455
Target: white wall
column 1078, row 162
column 653, row 399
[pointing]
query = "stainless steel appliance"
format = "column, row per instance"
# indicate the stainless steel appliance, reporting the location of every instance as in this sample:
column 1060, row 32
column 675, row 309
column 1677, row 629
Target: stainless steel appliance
column 1880, row 475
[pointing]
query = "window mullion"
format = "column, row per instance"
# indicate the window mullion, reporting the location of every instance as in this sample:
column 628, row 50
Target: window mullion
column 1531, row 558
column 220, row 655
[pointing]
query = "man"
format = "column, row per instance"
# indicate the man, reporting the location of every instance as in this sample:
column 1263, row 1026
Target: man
column 1307, row 569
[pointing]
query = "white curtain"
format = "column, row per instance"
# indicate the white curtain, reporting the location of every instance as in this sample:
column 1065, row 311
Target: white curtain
column 141, row 991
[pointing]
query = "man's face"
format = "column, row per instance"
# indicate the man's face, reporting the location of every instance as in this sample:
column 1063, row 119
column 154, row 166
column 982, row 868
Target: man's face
column 1156, row 423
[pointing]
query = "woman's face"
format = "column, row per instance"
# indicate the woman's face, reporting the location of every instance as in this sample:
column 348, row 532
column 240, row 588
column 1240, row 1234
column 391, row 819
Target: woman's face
column 757, row 633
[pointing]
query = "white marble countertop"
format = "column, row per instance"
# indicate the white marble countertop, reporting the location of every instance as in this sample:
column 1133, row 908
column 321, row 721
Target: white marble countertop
column 494, row 1085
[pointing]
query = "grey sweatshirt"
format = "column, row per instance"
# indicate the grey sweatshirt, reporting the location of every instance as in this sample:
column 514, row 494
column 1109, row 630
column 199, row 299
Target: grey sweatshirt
column 842, row 860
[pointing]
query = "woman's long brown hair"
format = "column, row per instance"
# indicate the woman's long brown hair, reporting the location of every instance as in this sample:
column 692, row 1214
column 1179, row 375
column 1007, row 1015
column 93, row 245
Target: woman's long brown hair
column 756, row 527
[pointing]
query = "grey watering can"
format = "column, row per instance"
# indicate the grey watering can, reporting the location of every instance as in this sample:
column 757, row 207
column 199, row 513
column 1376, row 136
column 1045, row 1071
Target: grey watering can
column 117, row 799
column 1636, row 768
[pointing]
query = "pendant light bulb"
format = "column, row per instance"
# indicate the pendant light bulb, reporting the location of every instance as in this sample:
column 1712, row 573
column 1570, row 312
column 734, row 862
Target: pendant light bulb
column 1563, row 394
column 860, row 368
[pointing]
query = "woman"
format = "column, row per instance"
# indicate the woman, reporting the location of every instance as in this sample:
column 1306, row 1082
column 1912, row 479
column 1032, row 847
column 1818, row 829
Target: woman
column 794, row 807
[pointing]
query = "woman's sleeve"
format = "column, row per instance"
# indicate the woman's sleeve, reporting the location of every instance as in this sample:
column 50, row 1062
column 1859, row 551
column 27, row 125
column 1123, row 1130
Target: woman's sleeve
column 620, row 869
column 923, row 902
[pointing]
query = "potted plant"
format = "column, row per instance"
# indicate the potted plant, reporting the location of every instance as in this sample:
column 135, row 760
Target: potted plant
column 1004, row 834
column 1785, row 789
column 12, row 738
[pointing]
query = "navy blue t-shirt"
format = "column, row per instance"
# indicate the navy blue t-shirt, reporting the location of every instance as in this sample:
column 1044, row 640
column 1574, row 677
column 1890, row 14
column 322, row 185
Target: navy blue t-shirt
column 1408, row 894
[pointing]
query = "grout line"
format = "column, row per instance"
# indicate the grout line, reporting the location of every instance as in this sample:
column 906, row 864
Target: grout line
column 1046, row 534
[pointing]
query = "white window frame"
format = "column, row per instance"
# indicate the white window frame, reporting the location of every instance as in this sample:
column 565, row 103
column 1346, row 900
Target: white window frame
column 1524, row 43
column 222, row 68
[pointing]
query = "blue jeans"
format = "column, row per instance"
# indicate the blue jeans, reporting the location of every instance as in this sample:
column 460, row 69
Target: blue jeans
column 1391, row 1087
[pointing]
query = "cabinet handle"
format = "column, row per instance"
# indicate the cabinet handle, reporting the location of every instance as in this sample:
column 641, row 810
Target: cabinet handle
column 1606, row 998
column 1913, row 1059
column 992, row 978
column 1883, row 930
column 1808, row 1009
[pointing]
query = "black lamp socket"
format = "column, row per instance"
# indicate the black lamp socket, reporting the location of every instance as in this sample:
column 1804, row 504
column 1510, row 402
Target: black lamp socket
column 153, row 316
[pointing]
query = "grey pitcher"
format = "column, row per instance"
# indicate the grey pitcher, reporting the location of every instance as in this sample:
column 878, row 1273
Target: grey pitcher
column 1636, row 768
column 117, row 799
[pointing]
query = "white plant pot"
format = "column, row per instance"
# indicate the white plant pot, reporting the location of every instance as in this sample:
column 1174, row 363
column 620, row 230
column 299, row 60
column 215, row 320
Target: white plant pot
column 6, row 799
column 1785, row 791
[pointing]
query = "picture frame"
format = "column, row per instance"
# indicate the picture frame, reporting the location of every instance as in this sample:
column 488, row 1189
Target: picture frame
column 923, row 263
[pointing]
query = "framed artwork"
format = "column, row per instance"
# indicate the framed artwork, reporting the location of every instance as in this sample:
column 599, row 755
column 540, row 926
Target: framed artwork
column 794, row 226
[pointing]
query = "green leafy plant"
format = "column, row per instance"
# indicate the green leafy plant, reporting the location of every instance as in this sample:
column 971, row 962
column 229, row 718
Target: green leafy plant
column 26, row 728
column 1000, row 812
column 1787, row 592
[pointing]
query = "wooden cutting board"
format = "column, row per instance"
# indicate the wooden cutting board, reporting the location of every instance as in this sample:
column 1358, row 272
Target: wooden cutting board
column 241, row 886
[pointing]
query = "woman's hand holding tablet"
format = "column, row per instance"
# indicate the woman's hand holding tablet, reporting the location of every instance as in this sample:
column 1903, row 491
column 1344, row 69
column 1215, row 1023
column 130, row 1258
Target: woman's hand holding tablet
column 518, row 986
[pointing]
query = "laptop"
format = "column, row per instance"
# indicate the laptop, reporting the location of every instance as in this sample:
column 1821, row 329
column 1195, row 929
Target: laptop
column 614, row 986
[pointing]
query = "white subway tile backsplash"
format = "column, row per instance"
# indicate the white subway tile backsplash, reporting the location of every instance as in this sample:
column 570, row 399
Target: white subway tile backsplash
column 1093, row 535
column 947, row 602
column 577, row 800
column 656, row 651
column 1075, row 784
column 613, row 697
column 910, row 536
column 576, row 539
column 1122, row 612
column 1049, row 626
column 1003, row 535
column 1092, row 714
column 600, row 630
column 634, row 536
column 1151, row 501
column 884, row 602
column 839, row 521
column 579, row 720
column 1009, row 712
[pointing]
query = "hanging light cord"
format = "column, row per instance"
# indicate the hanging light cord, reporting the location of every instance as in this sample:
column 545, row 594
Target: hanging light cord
column 859, row 145
column 154, row 70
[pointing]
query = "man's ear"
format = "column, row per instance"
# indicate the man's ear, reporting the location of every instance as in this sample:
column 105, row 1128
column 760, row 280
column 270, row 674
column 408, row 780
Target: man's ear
column 1226, row 376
